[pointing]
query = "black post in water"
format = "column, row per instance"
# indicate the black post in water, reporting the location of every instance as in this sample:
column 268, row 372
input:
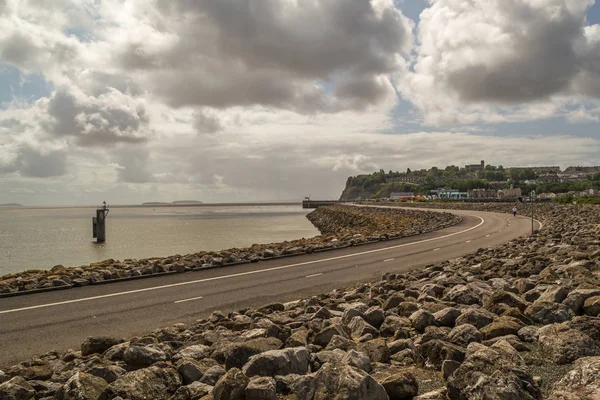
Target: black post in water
column 98, row 223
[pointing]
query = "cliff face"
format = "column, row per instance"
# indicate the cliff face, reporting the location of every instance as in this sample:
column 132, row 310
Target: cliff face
column 361, row 189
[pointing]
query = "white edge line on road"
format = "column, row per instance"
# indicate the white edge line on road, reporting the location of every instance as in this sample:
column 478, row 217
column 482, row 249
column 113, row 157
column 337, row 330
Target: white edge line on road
column 437, row 249
column 193, row 298
column 313, row 275
column 388, row 260
column 216, row 278
column 468, row 241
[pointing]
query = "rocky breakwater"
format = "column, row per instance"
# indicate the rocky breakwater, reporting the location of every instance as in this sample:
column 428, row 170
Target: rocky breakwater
column 341, row 226
column 518, row 321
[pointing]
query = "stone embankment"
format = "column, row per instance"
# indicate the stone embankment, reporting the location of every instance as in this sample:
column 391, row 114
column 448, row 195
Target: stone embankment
column 517, row 321
column 340, row 226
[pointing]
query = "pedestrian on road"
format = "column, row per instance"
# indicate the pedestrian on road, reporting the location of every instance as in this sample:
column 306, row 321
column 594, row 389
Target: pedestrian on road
column 514, row 211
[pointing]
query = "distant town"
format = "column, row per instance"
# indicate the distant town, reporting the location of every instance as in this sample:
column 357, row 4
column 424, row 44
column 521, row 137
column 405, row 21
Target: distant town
column 477, row 182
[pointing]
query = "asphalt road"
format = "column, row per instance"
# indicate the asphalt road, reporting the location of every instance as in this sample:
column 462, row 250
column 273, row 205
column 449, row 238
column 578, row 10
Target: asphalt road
column 34, row 324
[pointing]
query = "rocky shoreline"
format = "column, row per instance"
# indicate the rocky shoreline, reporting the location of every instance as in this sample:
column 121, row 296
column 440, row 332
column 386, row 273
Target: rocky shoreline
column 340, row 226
column 517, row 321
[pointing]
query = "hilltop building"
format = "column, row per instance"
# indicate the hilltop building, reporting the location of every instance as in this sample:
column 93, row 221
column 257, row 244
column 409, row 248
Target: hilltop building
column 476, row 167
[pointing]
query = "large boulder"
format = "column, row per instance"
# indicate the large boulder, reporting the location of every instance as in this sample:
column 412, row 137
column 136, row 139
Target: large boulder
column 464, row 334
column 81, row 386
column 492, row 373
column 36, row 370
column 462, row 294
column 375, row 316
column 400, row 386
column 591, row 306
column 16, row 389
column 576, row 298
column 588, row 325
column 446, row 317
column 421, row 319
column 197, row 352
column 98, row 344
column 499, row 297
column 547, row 312
column 324, row 336
column 261, row 388
column 143, row 356
column 193, row 391
column 582, row 381
column 435, row 352
column 278, row 362
column 148, row 383
column 502, row 326
column 564, row 345
column 359, row 327
column 342, row 382
column 231, row 386
column 238, row 354
column 477, row 317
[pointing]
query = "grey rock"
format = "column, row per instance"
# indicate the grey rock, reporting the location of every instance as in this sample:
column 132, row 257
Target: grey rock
column 502, row 326
column 400, row 386
column 555, row 294
column 339, row 381
column 565, row 345
column 197, row 352
column 576, row 298
column 435, row 352
column 231, row 386
column 358, row 360
column 342, row 343
column 477, row 317
column 375, row 316
column 421, row 319
column 582, row 381
column 278, row 362
column 16, row 389
column 489, row 373
column 448, row 368
column 297, row 339
column 98, row 344
column 464, row 334
column 261, row 388
column 190, row 370
column 324, row 336
column 193, row 391
column 547, row 312
column 591, row 306
column 143, row 356
column 82, row 386
column 446, row 317
column 376, row 349
column 462, row 294
column 109, row 373
column 148, row 383
column 212, row 375
column 237, row 354
column 359, row 327
column 588, row 325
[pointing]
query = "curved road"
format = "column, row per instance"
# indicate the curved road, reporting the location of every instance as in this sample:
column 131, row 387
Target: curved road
column 34, row 324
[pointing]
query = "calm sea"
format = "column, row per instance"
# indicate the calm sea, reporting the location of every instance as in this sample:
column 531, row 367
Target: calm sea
column 41, row 238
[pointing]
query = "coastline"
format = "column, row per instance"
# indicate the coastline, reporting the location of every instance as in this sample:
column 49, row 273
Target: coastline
column 346, row 226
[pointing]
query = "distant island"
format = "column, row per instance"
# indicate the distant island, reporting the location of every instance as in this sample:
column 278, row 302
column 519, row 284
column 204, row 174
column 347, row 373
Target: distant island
column 11, row 205
column 177, row 202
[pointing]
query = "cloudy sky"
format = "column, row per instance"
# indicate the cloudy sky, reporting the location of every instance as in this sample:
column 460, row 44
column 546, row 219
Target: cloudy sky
column 253, row 100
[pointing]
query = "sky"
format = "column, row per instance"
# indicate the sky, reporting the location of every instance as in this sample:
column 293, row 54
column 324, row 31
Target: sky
column 131, row 101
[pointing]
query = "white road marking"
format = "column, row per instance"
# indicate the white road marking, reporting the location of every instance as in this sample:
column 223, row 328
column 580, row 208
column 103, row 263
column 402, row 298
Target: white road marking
column 388, row 260
column 487, row 235
column 436, row 249
column 468, row 241
column 259, row 271
column 193, row 298
column 313, row 275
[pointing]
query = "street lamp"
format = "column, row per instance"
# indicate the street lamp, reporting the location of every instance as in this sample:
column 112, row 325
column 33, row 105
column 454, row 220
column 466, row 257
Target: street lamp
column 532, row 200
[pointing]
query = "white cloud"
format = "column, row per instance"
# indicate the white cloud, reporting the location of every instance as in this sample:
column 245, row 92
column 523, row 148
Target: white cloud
column 490, row 60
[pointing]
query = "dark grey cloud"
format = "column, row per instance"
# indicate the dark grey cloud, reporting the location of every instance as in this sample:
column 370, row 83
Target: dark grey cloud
column 272, row 53
column 206, row 123
column 544, row 61
column 94, row 124
column 133, row 164
column 36, row 163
